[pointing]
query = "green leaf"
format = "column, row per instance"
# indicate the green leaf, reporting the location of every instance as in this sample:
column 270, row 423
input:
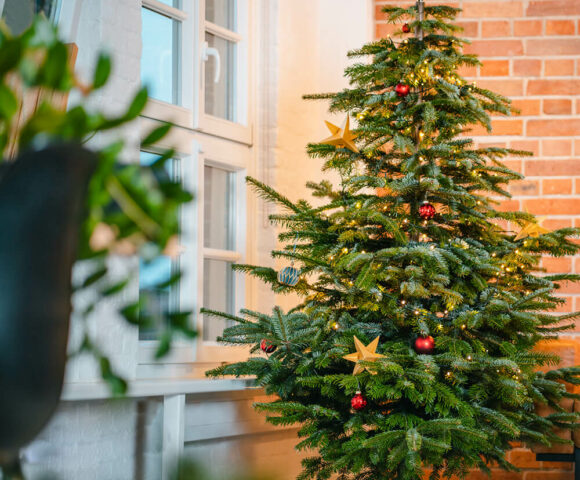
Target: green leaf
column 156, row 134
column 117, row 384
column 8, row 102
column 131, row 313
column 42, row 33
column 51, row 74
column 105, row 366
column 10, row 55
column 159, row 163
column 137, row 105
column 94, row 277
column 173, row 280
column 164, row 344
column 115, row 288
column 181, row 321
column 102, row 71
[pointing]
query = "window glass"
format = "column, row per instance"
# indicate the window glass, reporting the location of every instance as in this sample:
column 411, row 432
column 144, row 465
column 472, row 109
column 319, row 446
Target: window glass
column 18, row 14
column 159, row 56
column 218, row 294
column 221, row 12
column 219, row 97
column 151, row 274
column 219, row 195
column 157, row 300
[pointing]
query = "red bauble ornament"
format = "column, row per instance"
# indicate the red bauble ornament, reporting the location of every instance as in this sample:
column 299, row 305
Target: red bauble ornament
column 402, row 90
column 406, row 28
column 424, row 345
column 266, row 346
column 358, row 402
column 426, row 211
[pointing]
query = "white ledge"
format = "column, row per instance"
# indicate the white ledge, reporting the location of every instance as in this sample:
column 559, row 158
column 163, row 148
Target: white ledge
column 154, row 388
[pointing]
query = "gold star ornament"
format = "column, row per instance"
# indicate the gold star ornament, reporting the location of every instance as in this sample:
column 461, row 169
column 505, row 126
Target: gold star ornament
column 532, row 229
column 367, row 354
column 341, row 136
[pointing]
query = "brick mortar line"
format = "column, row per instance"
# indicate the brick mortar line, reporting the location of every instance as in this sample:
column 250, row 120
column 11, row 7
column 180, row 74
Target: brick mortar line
column 510, row 20
column 522, row 137
column 530, row 37
column 542, row 116
column 523, row 18
column 560, row 217
column 529, row 57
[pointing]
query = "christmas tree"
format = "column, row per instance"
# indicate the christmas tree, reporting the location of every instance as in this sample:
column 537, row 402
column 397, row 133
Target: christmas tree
column 410, row 273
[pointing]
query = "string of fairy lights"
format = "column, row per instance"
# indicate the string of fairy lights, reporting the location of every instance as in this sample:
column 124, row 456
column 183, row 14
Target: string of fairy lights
column 444, row 323
column 512, row 264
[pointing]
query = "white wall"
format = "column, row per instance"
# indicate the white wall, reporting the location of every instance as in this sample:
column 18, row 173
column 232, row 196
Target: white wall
column 113, row 26
column 112, row 440
column 314, row 38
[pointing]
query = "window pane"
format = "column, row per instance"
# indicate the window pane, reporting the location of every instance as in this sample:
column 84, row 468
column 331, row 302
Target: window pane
column 147, row 158
column 221, row 12
column 159, row 56
column 218, row 221
column 219, row 97
column 158, row 300
column 155, row 300
column 18, row 14
column 218, row 294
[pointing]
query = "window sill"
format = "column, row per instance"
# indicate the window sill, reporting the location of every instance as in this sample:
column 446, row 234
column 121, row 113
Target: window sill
column 225, row 129
column 154, row 388
column 168, row 112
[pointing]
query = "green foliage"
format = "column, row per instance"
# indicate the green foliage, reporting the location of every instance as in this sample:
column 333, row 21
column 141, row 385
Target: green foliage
column 370, row 266
column 189, row 470
column 135, row 207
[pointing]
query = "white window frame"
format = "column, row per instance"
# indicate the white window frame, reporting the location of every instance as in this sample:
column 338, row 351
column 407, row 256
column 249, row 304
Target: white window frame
column 182, row 355
column 190, row 113
column 181, row 114
column 217, row 154
column 187, row 358
column 201, row 140
column 69, row 18
column 241, row 129
column 198, row 139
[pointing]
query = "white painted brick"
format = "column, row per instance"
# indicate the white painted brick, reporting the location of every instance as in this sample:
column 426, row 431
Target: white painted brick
column 98, row 440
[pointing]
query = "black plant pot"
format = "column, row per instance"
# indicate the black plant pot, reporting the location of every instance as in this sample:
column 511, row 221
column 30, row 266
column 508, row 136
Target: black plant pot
column 42, row 198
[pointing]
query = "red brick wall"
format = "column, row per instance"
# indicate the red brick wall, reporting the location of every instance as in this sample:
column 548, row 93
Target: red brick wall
column 531, row 53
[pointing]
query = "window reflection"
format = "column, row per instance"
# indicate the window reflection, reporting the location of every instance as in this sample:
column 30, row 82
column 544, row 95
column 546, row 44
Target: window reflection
column 222, row 13
column 18, row 14
column 219, row 194
column 218, row 294
column 151, row 274
column 220, row 96
column 159, row 56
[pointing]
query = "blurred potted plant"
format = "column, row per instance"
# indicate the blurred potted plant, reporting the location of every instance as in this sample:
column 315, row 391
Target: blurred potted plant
column 63, row 202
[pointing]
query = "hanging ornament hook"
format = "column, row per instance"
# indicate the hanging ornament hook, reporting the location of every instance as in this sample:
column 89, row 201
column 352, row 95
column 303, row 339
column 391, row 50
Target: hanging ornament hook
column 294, row 249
